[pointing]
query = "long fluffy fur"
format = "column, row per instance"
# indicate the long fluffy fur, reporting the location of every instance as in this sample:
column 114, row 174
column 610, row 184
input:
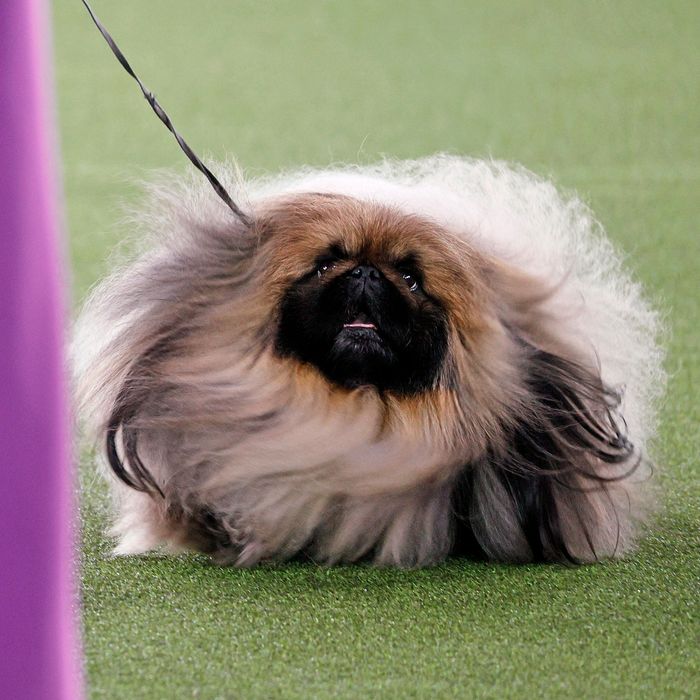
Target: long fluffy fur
column 532, row 446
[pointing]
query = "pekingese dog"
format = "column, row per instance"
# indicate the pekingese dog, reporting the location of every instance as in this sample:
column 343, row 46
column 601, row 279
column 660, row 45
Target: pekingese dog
column 391, row 364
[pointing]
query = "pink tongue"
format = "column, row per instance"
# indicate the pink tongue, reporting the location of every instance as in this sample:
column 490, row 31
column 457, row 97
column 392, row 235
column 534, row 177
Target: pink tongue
column 359, row 323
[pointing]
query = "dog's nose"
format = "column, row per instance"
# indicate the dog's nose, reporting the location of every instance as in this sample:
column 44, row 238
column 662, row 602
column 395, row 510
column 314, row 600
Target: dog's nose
column 365, row 272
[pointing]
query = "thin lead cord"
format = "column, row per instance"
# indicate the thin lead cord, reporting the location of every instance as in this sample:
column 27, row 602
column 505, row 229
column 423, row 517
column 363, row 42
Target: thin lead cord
column 160, row 112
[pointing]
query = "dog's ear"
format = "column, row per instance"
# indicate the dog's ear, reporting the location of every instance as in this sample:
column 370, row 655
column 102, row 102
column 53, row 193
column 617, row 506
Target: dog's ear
column 555, row 485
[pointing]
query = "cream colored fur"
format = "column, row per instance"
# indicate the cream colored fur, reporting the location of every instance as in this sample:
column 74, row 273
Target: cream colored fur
column 345, row 470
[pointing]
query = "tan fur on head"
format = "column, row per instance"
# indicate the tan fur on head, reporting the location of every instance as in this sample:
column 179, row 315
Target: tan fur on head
column 517, row 452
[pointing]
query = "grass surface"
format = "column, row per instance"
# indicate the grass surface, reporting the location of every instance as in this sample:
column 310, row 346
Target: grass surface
column 601, row 96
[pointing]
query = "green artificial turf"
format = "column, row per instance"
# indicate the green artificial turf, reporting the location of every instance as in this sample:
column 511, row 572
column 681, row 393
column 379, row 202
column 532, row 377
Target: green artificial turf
column 601, row 96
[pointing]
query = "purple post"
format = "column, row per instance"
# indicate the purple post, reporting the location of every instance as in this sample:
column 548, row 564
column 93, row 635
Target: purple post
column 38, row 640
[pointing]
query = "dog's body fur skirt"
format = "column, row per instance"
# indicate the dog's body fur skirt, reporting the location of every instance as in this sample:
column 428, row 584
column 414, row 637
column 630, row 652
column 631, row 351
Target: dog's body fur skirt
column 520, row 435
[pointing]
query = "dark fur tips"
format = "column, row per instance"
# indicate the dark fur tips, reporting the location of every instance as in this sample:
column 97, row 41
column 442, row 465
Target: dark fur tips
column 543, row 495
column 138, row 478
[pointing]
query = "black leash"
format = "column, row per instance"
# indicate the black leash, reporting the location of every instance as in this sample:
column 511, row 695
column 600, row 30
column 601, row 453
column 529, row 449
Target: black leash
column 162, row 115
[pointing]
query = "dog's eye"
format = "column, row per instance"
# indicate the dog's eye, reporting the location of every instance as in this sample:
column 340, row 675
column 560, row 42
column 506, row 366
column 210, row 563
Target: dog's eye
column 324, row 267
column 411, row 281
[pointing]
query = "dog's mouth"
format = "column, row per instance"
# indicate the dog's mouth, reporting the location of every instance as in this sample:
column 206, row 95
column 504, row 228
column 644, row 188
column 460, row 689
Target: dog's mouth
column 361, row 323
column 360, row 354
column 362, row 333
